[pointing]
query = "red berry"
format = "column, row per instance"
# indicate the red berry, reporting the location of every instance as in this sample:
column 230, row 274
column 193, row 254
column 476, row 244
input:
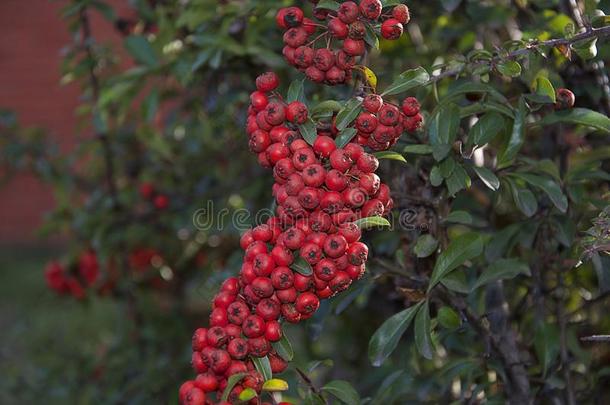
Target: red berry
column 401, row 13
column 147, row 190
column 253, row 326
column 338, row 28
column 391, row 29
column 388, row 115
column 311, row 252
column 354, row 197
column 259, row 100
column 287, row 296
column 410, row 106
column 373, row 208
column 357, row 30
column 371, row 9
column 194, row 397
column 199, row 339
column 262, row 287
column 335, row 245
column 565, row 99
column 325, row 269
column 335, row 75
column 354, row 151
column 294, row 38
column 314, row 74
column 296, row 112
column 348, row 12
column 413, row 123
column 303, row 56
column 206, row 382
column 273, row 331
column 282, row 256
column 324, row 146
column 314, row 175
column 366, row 122
column 268, row 309
column 372, row 103
column 290, row 313
column 220, row 361
column 341, row 281
column 293, row 17
column 161, row 202
column 267, row 82
column 323, row 59
column 218, row 317
column 331, row 202
column 357, row 253
column 263, row 264
column 238, row 348
column 367, row 163
column 335, row 180
column 353, row 47
column 350, row 231
column 278, row 365
column 282, row 278
column 307, row 303
column 343, row 60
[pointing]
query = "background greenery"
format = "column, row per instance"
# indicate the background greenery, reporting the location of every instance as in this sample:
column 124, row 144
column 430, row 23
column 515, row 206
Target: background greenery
column 169, row 107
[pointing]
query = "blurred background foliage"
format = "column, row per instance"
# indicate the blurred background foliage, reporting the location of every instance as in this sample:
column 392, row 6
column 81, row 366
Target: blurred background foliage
column 167, row 107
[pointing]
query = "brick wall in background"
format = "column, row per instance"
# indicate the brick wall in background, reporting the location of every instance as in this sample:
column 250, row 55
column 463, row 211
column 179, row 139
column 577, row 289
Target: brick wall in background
column 32, row 35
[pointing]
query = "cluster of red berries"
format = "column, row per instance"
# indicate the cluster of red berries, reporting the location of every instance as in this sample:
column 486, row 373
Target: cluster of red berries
column 159, row 200
column 381, row 124
column 74, row 280
column 309, row 251
column 347, row 27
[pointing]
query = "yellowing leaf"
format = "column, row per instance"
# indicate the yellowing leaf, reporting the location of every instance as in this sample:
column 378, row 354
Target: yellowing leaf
column 369, row 76
column 275, row 384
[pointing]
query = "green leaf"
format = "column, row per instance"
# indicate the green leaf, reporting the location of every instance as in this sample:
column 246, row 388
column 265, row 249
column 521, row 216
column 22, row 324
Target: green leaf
column 546, row 343
column 407, row 80
column 448, row 318
column 486, row 128
column 487, row 177
column 580, row 116
column 389, row 154
column 247, row 394
column 328, row 5
column 456, row 281
column 283, row 347
column 435, row 176
column 275, row 385
column 141, row 50
column 544, row 87
column 472, row 87
column 444, row 125
column 517, row 136
column 372, row 222
column 348, row 113
column 263, row 366
column 440, row 152
column 301, row 266
column 327, row 107
column 501, row 270
column 447, row 167
column 425, row 245
column 370, row 37
column 586, row 49
column 423, row 340
column 231, row 382
column 463, row 248
column 345, row 136
column 308, row 131
column 524, row 199
column 552, row 189
column 509, row 68
column 386, row 338
column 459, row 217
column 296, row 91
column 418, row 149
column 343, row 391
column 458, row 180
column 500, row 242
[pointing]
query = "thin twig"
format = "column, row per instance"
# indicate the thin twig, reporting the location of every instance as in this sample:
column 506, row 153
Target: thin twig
column 533, row 45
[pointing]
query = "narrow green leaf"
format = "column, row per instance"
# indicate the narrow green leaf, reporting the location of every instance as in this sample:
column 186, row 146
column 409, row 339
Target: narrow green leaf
column 327, row 107
column 509, row 68
column 343, row 391
column 345, row 136
column 552, row 189
column 372, row 222
column 141, row 50
column 448, row 318
column 328, row 5
column 544, row 87
column 308, row 131
column 458, row 180
column 440, row 152
column 348, row 113
column 487, row 177
column 407, row 80
column 463, row 248
column 296, row 91
column 524, row 199
column 486, row 128
column 283, row 347
column 389, row 154
column 423, row 340
column 586, row 49
column 444, row 125
column 546, row 343
column 386, row 338
column 425, row 245
column 436, row 179
column 418, row 149
column 263, row 366
column 370, row 36
column 459, row 217
column 501, row 270
column 247, row 394
column 301, row 266
column 517, row 136
column 231, row 382
column 580, row 116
